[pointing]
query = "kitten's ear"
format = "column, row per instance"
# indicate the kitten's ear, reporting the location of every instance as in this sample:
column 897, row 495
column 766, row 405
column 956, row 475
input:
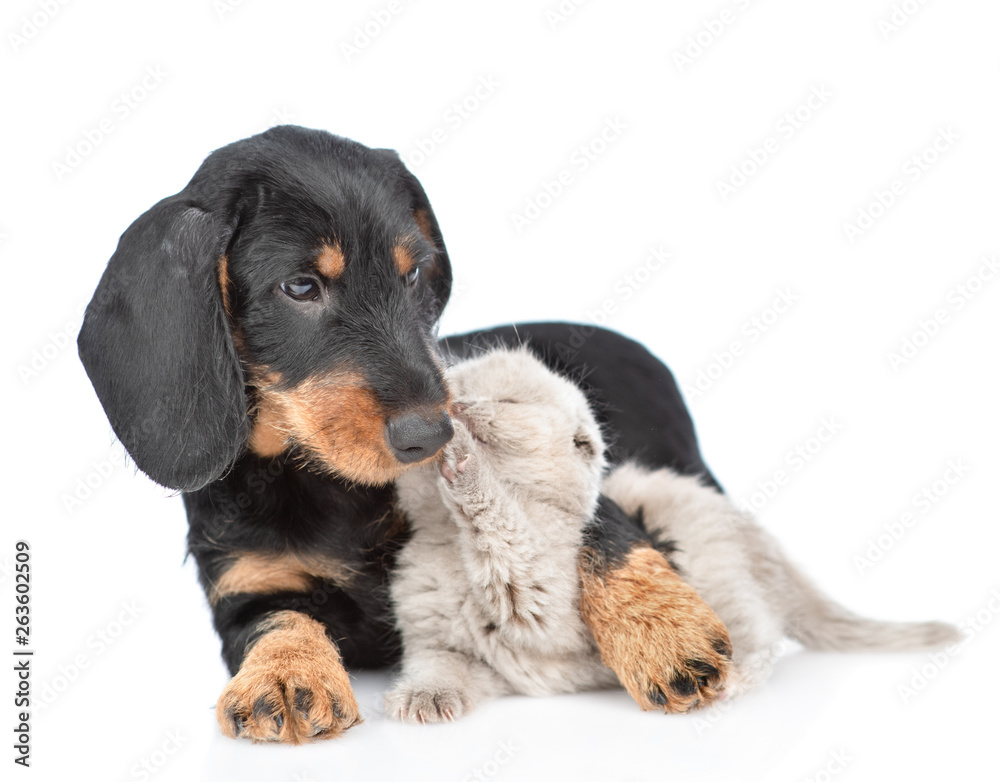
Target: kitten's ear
column 439, row 272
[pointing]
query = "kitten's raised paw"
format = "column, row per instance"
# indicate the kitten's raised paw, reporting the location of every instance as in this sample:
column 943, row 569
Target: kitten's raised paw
column 461, row 485
column 457, row 453
column 411, row 703
column 466, row 481
column 450, row 472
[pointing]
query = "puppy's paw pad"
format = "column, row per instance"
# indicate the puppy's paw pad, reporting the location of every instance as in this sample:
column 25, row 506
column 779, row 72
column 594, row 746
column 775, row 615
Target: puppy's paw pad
column 693, row 684
column 677, row 683
column 284, row 709
column 291, row 688
column 669, row 649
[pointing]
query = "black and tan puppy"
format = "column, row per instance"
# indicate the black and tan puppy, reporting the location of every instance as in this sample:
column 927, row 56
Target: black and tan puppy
column 264, row 341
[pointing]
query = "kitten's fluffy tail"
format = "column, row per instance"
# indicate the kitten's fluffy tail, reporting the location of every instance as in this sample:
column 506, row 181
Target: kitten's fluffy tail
column 832, row 628
column 817, row 622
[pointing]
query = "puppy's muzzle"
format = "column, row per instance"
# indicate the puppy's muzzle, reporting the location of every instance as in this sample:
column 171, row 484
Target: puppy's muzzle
column 416, row 436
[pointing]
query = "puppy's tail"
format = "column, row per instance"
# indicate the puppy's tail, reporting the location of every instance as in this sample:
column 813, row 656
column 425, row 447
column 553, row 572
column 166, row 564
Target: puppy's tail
column 818, row 622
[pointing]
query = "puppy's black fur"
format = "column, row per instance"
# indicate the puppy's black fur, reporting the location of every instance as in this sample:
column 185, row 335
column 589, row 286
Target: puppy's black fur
column 264, row 342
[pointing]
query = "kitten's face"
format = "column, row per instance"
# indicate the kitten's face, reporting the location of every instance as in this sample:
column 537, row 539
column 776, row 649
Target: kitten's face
column 530, row 424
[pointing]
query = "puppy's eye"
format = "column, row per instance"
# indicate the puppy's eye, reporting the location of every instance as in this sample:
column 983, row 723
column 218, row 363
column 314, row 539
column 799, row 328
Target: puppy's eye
column 412, row 276
column 301, row 289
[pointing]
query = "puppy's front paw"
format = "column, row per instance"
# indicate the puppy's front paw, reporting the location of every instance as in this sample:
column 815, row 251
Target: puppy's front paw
column 668, row 648
column 413, row 703
column 291, row 687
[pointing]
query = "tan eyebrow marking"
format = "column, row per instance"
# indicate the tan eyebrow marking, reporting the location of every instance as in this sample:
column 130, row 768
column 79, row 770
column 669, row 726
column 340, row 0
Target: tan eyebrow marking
column 330, row 261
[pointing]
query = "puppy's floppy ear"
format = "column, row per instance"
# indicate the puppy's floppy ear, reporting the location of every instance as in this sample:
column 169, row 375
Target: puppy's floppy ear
column 439, row 274
column 156, row 344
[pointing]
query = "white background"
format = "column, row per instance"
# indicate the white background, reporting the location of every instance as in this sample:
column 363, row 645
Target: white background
column 224, row 73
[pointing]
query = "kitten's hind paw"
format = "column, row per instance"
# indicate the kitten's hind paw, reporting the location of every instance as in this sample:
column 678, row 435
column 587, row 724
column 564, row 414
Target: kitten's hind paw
column 419, row 705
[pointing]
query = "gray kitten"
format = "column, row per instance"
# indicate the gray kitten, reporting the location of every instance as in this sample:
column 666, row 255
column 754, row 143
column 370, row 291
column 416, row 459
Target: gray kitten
column 487, row 591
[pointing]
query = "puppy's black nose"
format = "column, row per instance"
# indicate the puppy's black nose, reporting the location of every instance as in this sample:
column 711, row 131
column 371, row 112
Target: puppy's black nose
column 416, row 436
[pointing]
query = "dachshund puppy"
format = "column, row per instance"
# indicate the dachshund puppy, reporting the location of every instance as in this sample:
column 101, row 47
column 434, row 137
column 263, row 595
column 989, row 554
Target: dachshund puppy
column 264, row 341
